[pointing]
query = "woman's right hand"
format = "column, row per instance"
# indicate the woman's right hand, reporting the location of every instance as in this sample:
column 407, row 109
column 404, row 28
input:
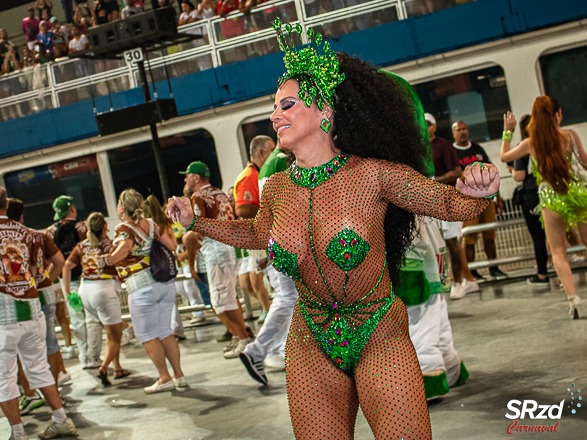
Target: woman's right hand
column 509, row 121
column 180, row 210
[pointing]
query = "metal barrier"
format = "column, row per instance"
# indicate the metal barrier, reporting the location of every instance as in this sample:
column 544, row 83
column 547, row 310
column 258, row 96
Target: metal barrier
column 515, row 232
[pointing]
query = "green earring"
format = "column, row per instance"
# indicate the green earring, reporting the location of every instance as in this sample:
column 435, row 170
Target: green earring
column 325, row 125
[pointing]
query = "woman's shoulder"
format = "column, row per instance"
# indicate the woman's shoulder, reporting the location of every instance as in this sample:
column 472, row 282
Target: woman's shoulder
column 372, row 164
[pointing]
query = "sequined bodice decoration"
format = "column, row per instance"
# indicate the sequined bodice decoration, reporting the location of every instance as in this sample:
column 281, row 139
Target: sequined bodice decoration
column 284, row 261
column 312, row 177
column 347, row 249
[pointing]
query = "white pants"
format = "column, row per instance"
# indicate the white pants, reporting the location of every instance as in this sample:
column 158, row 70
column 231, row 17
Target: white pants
column 451, row 229
column 25, row 340
column 431, row 334
column 221, row 270
column 271, row 337
column 189, row 290
column 77, row 321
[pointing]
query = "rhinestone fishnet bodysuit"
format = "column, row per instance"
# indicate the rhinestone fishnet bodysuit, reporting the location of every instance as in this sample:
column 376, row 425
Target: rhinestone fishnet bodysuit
column 348, row 341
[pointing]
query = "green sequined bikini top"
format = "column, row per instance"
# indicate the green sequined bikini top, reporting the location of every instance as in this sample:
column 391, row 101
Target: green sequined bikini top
column 330, row 321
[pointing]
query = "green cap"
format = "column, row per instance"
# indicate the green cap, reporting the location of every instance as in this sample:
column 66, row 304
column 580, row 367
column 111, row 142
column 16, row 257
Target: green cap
column 197, row 167
column 61, row 206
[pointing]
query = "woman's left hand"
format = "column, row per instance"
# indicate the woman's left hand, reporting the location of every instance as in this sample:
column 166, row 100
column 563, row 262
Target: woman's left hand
column 509, row 121
column 479, row 180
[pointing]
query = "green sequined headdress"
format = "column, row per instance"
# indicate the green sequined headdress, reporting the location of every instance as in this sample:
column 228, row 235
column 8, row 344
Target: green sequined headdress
column 317, row 74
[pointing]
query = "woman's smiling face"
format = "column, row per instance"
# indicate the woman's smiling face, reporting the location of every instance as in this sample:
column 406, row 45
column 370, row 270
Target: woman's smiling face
column 293, row 121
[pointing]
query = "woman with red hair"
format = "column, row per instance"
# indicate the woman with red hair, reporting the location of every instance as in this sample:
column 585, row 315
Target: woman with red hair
column 560, row 160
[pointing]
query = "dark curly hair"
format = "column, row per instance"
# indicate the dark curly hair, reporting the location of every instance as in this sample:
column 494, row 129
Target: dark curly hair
column 376, row 119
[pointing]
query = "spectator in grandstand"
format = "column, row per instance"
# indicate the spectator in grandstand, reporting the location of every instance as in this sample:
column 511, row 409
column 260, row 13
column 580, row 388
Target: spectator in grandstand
column 67, row 6
column 30, row 27
column 22, row 328
column 468, row 153
column 150, row 302
column 189, row 13
column 100, row 13
column 98, row 291
column 78, row 41
column 40, row 56
column 11, row 61
column 527, row 194
column 46, row 38
column 26, row 57
column 220, row 259
column 247, row 200
column 113, row 9
column 60, row 48
column 207, row 9
column 4, row 44
column 83, row 17
column 41, row 5
column 131, row 8
column 152, row 210
column 46, row 17
column 231, row 27
column 331, row 223
column 561, row 161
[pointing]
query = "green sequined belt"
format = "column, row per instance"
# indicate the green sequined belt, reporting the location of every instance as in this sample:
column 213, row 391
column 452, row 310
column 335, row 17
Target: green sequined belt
column 342, row 344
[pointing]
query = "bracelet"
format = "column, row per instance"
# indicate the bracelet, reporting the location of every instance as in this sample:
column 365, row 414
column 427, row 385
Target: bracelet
column 492, row 196
column 507, row 135
column 192, row 224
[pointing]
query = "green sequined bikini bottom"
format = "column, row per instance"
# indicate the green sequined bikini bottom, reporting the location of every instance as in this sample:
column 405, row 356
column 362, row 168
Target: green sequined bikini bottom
column 342, row 344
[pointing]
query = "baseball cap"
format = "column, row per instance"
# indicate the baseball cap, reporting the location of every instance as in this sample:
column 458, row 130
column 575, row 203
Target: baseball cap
column 53, row 19
column 42, row 23
column 430, row 118
column 197, row 167
column 61, row 206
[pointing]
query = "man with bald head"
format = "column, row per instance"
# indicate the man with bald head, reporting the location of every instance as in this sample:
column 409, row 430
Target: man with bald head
column 468, row 153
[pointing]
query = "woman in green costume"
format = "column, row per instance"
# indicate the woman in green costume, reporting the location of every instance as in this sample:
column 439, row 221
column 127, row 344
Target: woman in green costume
column 560, row 161
column 338, row 223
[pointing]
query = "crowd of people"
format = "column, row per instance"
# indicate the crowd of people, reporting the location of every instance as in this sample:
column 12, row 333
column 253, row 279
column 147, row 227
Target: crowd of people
column 48, row 39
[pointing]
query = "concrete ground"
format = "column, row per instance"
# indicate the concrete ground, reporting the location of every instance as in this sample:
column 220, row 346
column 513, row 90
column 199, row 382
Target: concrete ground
column 517, row 344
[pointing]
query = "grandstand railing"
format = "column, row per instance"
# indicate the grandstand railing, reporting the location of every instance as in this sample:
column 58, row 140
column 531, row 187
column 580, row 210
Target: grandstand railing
column 235, row 37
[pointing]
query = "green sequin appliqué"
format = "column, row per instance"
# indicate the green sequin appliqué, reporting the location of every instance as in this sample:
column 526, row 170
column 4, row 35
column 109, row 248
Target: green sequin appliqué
column 347, row 249
column 339, row 341
column 312, row 177
column 284, row 261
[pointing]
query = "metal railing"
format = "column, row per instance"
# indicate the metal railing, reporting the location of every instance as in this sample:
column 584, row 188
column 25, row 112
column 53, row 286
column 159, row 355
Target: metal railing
column 235, row 37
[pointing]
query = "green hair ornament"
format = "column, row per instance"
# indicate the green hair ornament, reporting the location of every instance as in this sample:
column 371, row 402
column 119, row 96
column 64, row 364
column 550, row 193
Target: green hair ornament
column 317, row 74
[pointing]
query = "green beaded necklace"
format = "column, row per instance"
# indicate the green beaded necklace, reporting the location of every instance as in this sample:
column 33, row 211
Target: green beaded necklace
column 312, row 177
